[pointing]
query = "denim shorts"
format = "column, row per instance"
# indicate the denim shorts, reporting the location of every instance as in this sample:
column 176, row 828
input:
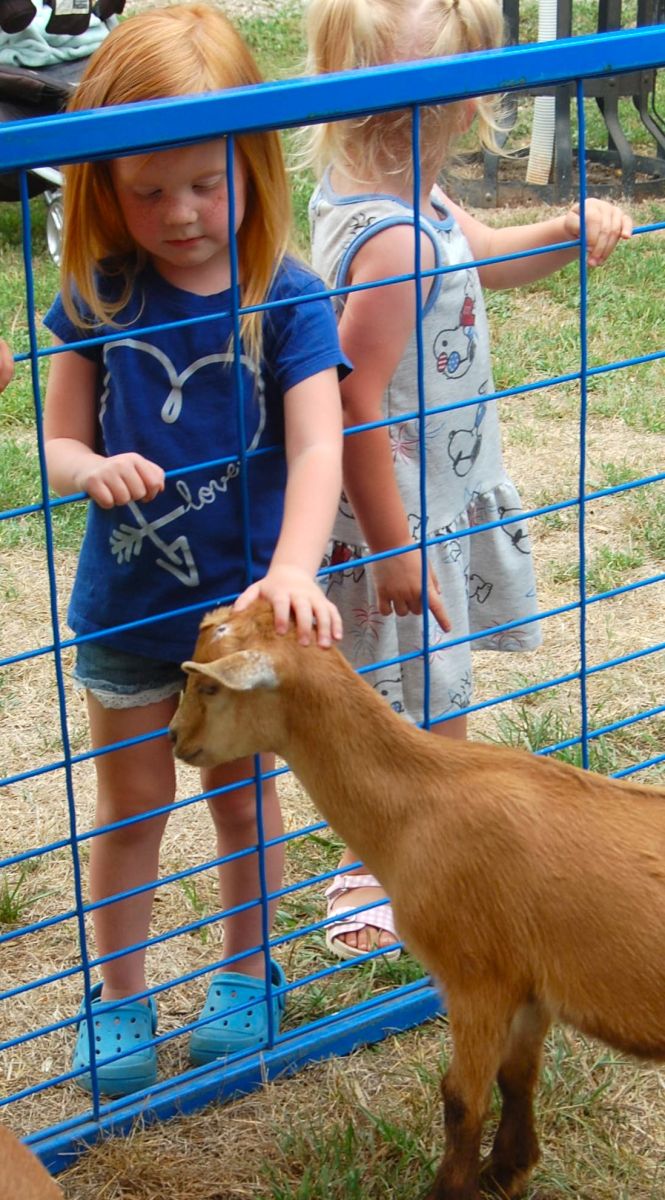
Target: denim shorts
column 120, row 680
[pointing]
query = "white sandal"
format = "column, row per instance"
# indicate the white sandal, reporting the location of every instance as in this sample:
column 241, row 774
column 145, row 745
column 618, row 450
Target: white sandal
column 380, row 917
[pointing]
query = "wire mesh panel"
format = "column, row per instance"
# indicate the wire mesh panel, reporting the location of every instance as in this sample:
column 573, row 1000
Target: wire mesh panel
column 49, row 960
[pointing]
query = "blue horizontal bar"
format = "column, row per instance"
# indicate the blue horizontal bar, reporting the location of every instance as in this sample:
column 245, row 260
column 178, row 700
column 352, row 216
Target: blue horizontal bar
column 159, row 123
column 642, row 766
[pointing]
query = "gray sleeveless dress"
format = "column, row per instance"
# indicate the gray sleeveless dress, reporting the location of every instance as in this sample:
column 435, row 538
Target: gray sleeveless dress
column 486, row 578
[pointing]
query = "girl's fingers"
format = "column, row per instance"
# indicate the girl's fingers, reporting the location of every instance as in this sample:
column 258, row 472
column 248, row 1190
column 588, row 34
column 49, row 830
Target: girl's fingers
column 605, row 225
column 438, row 611
column 100, row 493
column 310, row 610
column 281, row 607
column 152, row 478
column 247, row 597
column 435, row 603
column 109, row 490
column 402, row 607
column 304, row 618
column 328, row 622
column 385, row 605
column 322, row 619
column 336, row 623
column 605, row 238
column 118, row 482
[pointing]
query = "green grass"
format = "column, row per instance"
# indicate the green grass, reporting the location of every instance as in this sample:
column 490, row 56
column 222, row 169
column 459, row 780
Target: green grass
column 19, row 465
column 277, row 42
column 607, row 567
column 624, row 321
column 534, row 729
column 650, row 519
column 539, row 723
column 17, row 896
column 14, row 900
column 328, row 1164
column 20, row 487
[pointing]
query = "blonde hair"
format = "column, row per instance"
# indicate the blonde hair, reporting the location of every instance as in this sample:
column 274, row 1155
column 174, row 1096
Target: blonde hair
column 178, row 51
column 346, row 34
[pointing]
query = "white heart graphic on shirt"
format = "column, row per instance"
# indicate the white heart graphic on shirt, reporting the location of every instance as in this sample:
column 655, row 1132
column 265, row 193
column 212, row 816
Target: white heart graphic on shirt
column 127, row 541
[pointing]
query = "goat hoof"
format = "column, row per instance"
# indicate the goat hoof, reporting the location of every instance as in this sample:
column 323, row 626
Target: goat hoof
column 502, row 1181
column 441, row 1190
column 437, row 1194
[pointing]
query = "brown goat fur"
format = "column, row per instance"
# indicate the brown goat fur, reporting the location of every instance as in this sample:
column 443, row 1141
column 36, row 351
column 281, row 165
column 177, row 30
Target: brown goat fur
column 22, row 1176
column 532, row 890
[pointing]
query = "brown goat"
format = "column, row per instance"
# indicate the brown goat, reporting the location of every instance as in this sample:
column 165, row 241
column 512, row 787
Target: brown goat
column 530, row 889
column 22, row 1176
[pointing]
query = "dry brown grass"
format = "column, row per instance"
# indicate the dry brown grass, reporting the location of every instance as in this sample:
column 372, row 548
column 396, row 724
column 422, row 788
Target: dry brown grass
column 593, row 1149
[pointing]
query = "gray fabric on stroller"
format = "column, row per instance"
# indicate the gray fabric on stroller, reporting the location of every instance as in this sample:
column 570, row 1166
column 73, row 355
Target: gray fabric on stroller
column 35, row 46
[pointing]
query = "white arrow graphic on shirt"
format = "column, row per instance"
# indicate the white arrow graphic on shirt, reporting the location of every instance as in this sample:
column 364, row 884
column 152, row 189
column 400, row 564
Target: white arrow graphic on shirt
column 127, row 540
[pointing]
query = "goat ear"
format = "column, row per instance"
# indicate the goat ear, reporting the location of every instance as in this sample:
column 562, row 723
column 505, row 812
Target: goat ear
column 241, row 672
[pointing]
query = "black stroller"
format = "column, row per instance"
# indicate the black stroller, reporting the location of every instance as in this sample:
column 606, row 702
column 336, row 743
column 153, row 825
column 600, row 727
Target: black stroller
column 26, row 94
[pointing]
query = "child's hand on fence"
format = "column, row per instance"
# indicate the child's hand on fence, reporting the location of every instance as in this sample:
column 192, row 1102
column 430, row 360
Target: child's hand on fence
column 6, row 365
column 605, row 226
column 398, row 582
column 119, row 479
column 290, row 590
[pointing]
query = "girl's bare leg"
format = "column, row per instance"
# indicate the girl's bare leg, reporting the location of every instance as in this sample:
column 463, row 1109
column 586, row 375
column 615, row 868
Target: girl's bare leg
column 234, row 817
column 130, row 781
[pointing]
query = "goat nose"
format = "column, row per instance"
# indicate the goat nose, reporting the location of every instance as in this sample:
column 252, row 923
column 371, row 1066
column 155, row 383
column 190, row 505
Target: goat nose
column 173, row 737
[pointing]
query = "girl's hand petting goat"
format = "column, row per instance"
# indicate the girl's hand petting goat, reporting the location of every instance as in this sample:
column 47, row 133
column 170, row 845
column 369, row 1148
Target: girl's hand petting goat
column 544, row 884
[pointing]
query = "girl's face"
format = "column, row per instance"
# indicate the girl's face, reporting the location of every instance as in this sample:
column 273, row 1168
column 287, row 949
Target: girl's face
column 175, row 205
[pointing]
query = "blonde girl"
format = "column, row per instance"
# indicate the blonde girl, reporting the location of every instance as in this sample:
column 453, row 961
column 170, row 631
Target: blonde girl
column 363, row 220
column 148, row 245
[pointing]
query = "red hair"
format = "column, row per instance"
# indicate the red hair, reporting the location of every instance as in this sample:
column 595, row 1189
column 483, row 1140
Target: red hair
column 179, row 51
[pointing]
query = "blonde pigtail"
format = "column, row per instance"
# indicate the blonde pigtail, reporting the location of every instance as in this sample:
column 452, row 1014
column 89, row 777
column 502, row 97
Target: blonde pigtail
column 351, row 34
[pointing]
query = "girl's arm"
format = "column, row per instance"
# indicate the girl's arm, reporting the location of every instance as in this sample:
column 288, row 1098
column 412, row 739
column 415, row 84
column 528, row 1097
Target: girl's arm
column 6, row 365
column 313, row 452
column 375, row 329
column 605, row 226
column 70, row 425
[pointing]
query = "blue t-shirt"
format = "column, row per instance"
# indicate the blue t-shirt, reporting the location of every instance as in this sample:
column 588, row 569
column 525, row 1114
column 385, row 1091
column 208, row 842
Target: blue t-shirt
column 171, row 395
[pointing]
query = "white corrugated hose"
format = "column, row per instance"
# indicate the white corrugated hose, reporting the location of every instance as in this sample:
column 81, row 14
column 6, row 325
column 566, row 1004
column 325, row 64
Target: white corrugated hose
column 542, row 132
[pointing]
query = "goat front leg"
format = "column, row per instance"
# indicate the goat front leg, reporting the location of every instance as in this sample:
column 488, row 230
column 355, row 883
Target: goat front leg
column 515, row 1150
column 480, row 1032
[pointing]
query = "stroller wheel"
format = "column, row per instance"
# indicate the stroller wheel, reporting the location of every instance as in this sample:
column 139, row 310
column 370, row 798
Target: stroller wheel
column 54, row 222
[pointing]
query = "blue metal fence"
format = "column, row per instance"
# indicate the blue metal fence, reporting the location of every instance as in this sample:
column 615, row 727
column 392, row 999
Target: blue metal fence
column 51, row 141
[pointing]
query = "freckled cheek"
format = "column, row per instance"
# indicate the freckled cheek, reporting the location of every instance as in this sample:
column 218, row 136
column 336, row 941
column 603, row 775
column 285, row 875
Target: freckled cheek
column 216, row 214
column 142, row 225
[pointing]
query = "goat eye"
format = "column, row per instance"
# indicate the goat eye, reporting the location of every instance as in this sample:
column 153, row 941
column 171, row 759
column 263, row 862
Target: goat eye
column 221, row 630
column 207, row 689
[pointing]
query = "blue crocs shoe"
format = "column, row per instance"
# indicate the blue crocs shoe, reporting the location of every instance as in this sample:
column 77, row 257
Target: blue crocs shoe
column 245, row 1029
column 117, row 1030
